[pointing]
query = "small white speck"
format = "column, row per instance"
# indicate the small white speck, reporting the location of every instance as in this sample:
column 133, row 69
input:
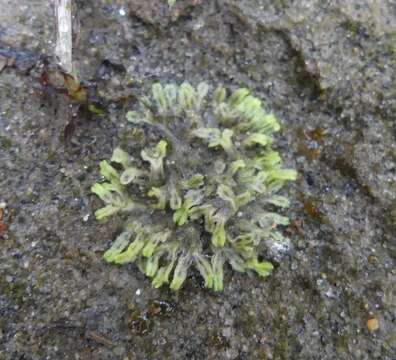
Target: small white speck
column 138, row 292
column 122, row 12
column 86, row 217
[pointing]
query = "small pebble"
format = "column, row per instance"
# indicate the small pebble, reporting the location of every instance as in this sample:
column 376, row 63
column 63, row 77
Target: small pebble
column 372, row 259
column 372, row 324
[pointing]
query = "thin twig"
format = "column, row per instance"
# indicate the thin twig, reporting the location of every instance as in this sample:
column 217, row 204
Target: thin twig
column 64, row 41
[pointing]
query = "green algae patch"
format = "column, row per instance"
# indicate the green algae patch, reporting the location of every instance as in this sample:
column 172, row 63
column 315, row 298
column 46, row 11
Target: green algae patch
column 203, row 192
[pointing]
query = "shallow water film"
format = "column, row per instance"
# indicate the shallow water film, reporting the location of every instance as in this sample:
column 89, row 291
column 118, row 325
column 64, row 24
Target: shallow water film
column 326, row 69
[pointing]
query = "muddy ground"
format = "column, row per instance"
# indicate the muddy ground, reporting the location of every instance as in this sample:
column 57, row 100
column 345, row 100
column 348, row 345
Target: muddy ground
column 326, row 68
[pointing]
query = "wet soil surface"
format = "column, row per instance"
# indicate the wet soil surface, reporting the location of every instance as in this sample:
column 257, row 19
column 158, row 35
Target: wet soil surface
column 326, row 68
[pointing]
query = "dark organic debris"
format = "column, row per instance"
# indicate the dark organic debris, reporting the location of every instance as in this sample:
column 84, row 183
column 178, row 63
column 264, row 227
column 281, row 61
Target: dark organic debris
column 141, row 321
column 83, row 99
column 3, row 226
column 108, row 69
column 100, row 339
column 20, row 59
